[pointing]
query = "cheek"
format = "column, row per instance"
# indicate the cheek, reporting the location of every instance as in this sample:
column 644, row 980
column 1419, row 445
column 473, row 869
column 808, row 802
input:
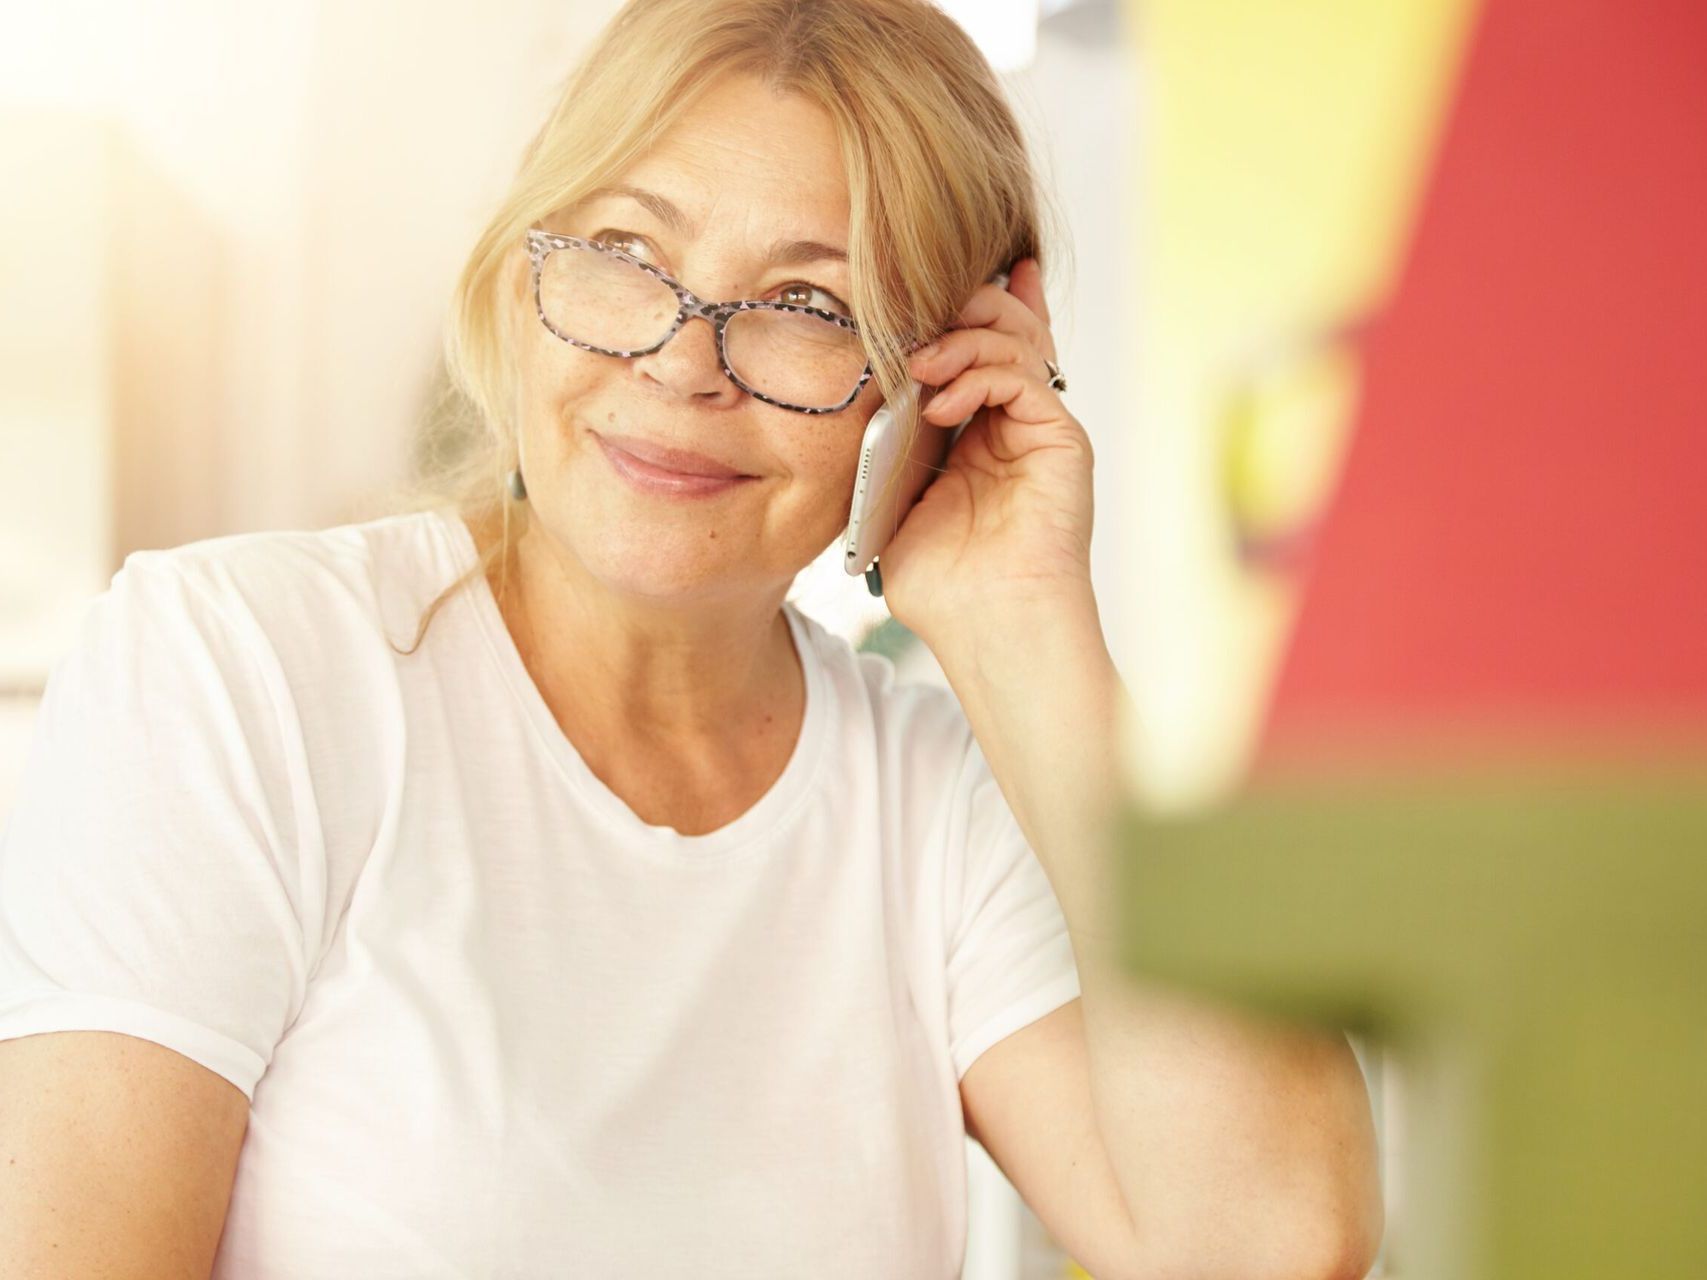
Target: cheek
column 551, row 371
column 551, row 384
column 824, row 465
column 828, row 467
column 810, row 504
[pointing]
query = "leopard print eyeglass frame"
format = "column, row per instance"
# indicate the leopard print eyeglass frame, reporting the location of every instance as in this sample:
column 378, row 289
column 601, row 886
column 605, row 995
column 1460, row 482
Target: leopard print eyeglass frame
column 540, row 244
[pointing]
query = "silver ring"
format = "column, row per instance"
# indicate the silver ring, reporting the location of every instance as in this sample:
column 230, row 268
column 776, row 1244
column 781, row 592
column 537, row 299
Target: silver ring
column 1055, row 378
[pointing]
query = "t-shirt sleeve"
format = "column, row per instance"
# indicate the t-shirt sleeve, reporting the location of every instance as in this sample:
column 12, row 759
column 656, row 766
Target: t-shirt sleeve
column 150, row 875
column 1010, row 958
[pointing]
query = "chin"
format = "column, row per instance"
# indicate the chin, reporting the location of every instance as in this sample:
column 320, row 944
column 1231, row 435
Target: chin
column 658, row 564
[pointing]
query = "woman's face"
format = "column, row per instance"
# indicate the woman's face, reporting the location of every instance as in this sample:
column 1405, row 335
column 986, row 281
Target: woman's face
column 745, row 169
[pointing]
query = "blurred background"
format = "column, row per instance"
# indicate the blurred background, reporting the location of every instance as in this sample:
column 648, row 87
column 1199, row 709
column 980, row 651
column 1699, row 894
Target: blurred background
column 1385, row 318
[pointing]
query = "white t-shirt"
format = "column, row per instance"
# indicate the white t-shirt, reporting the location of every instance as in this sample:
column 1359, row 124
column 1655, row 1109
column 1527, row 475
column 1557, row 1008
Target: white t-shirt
column 489, row 1022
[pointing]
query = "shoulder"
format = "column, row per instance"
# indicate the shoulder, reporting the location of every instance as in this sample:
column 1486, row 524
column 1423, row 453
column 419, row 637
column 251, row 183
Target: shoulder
column 247, row 564
column 292, row 587
column 278, row 638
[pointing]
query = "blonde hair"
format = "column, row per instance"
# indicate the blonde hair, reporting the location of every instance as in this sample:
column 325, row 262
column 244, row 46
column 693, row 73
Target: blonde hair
column 942, row 193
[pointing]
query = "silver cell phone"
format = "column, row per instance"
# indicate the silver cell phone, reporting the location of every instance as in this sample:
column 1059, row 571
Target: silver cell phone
column 889, row 481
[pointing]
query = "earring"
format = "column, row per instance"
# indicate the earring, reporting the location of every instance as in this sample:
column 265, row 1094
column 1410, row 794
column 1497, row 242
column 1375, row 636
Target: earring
column 518, row 487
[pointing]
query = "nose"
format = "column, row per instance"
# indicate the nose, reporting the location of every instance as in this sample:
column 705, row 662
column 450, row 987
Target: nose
column 688, row 362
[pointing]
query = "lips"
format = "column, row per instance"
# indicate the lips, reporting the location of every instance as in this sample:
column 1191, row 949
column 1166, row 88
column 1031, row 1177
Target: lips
column 680, row 461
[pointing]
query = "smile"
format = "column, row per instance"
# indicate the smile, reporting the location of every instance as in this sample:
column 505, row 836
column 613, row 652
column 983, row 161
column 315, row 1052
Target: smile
column 652, row 479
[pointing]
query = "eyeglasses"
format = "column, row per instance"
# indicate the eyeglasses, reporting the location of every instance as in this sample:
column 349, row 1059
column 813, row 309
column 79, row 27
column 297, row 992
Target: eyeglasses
column 605, row 300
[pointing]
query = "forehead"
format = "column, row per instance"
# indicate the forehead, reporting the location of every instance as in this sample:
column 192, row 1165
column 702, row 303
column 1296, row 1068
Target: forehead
column 750, row 161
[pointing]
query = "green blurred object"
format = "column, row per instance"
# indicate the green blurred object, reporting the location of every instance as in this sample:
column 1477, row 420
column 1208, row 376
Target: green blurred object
column 1531, row 940
column 889, row 638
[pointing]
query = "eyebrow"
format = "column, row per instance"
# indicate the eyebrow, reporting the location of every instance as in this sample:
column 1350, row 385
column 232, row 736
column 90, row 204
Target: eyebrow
column 784, row 252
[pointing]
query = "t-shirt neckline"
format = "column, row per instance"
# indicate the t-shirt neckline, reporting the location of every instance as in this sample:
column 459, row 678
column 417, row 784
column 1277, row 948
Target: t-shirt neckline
column 744, row 833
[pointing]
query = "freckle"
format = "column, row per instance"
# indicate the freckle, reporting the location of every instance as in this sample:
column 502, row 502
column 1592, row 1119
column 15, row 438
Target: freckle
column 611, row 416
column 714, row 533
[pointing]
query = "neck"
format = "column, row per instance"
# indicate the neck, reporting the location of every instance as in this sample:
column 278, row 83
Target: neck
column 710, row 668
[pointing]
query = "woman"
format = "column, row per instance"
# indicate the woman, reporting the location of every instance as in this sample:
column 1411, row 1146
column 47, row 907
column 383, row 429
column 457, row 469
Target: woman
column 628, row 923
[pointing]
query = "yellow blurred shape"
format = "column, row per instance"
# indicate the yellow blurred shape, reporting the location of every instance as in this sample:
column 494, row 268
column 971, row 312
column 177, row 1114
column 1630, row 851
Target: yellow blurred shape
column 1285, row 433
column 1281, row 158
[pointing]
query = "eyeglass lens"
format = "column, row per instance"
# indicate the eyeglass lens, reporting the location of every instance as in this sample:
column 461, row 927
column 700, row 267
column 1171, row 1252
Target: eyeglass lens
column 605, row 301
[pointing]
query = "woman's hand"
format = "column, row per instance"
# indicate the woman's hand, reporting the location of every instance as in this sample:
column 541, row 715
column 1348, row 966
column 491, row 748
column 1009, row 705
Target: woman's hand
column 1006, row 530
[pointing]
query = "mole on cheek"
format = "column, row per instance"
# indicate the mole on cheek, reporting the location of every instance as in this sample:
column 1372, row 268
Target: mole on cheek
column 713, row 533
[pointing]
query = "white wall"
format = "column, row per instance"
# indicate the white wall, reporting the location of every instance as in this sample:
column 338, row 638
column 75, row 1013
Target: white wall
column 294, row 189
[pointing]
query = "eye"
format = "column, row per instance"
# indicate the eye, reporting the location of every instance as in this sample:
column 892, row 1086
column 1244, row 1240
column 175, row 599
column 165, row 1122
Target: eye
column 795, row 292
column 804, row 287
column 620, row 240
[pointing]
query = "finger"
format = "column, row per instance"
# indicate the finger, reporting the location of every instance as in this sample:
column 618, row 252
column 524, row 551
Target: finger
column 962, row 348
column 1008, row 312
column 1042, row 292
column 1024, row 397
column 1026, row 284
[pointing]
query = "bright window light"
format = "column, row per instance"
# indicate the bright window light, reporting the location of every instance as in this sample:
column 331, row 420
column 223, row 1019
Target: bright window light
column 1006, row 30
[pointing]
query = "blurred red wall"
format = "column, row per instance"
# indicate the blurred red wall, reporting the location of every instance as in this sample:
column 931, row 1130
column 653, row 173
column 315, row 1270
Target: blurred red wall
column 1520, row 535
